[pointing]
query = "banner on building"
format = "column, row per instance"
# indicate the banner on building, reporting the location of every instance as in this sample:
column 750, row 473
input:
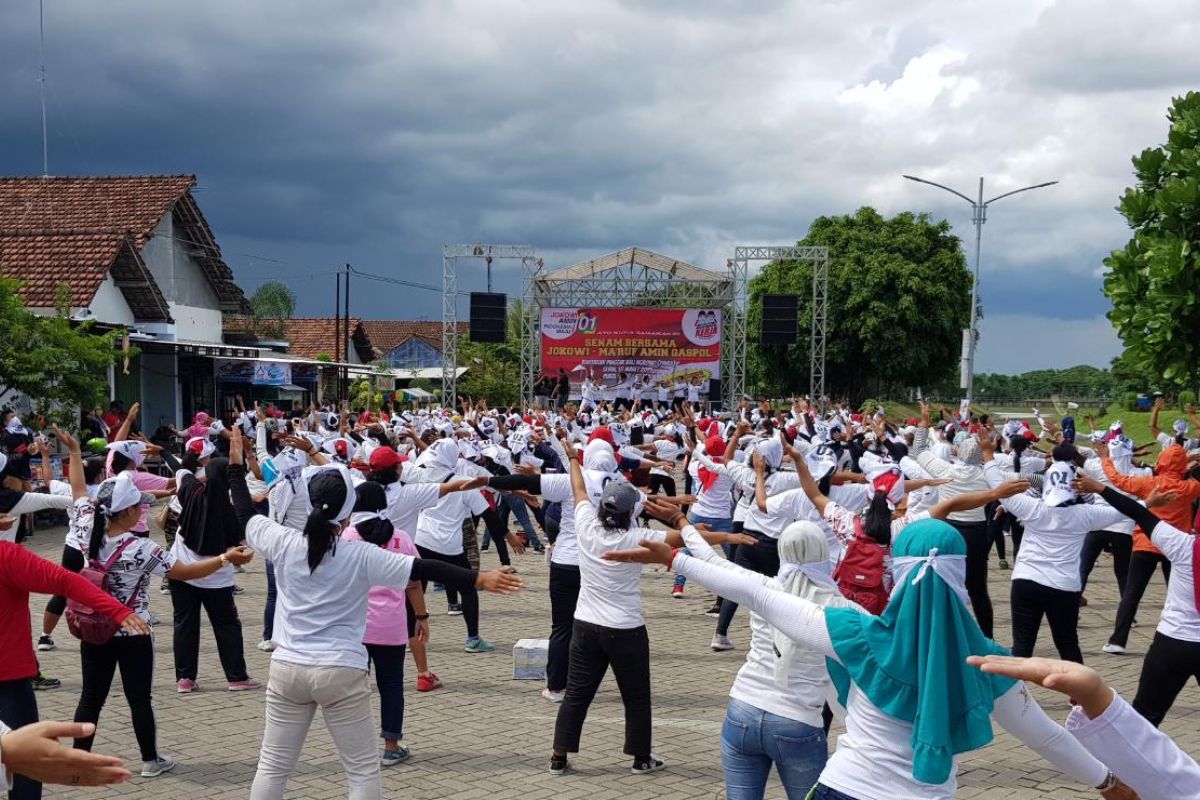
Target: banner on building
column 259, row 373
column 658, row 344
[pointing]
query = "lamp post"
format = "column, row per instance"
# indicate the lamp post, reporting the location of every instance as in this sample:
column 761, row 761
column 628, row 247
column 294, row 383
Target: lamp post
column 978, row 217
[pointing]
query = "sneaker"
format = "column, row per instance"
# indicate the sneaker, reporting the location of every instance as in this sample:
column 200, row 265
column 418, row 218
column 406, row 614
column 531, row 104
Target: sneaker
column 1004, row 563
column 238, row 590
column 1134, row 624
column 187, row 686
column 539, row 550
column 484, row 549
column 239, row 569
column 553, row 696
column 478, row 644
column 437, row 587
column 152, row 769
column 153, row 620
column 427, row 683
column 653, row 764
column 41, row 683
column 45, row 643
column 247, row 685
column 1082, row 601
column 559, row 764
column 714, row 610
column 677, row 592
column 1113, row 649
column 390, row 758
column 720, row 643
column 454, row 610
column 266, row 645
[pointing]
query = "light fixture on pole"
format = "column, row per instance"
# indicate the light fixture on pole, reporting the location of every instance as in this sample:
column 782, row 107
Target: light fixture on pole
column 978, row 217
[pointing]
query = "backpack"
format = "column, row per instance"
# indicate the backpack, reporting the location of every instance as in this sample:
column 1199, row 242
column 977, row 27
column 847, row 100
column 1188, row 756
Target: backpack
column 86, row 623
column 859, row 575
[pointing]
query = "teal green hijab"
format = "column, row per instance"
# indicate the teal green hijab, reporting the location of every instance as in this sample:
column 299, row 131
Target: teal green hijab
column 911, row 661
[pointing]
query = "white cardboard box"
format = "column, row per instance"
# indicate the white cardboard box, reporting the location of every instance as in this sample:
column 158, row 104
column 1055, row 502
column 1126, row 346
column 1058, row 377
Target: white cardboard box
column 529, row 659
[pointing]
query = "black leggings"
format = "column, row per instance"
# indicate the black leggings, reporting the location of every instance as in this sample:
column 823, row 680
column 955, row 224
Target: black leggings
column 1030, row 602
column 763, row 559
column 1168, row 666
column 1096, row 542
column 73, row 560
column 664, row 482
column 978, row 545
column 996, row 522
column 470, row 596
column 134, row 655
column 564, row 595
column 1141, row 569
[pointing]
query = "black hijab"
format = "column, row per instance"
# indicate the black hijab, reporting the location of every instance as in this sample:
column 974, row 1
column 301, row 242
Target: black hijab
column 208, row 523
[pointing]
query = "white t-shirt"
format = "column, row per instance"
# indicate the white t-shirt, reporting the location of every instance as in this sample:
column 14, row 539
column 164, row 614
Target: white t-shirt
column 557, row 489
column 1180, row 619
column 322, row 615
column 610, row 592
column 221, row 579
column 407, row 500
column 440, row 528
column 693, row 393
column 771, row 522
column 716, row 502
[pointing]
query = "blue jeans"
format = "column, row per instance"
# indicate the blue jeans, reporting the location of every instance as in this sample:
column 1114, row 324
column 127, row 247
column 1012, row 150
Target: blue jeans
column 388, row 661
column 719, row 524
column 752, row 739
column 825, row 793
column 269, row 611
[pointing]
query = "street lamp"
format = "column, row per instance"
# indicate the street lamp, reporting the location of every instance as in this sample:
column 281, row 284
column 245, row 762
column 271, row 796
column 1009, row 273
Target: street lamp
column 978, row 217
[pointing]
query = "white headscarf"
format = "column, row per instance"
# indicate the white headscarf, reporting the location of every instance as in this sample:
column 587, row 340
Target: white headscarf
column 804, row 571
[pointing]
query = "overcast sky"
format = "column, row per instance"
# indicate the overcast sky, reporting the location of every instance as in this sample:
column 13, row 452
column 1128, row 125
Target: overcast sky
column 374, row 132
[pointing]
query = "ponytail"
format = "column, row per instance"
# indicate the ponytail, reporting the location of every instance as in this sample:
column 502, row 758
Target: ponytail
column 321, row 534
column 1018, row 445
column 99, row 531
column 877, row 519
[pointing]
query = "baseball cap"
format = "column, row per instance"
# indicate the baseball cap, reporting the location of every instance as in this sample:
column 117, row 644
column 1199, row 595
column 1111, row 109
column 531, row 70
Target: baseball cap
column 119, row 493
column 617, row 501
column 384, row 457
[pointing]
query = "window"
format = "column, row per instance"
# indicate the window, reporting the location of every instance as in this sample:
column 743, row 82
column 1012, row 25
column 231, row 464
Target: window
column 414, row 354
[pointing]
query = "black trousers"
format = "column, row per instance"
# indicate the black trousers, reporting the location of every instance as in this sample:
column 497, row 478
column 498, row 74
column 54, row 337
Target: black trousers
column 978, row 546
column 593, row 649
column 1030, row 602
column 564, row 594
column 187, row 600
column 1168, row 666
column 18, row 708
column 1141, row 569
column 470, row 597
column 72, row 559
column 134, row 656
column 1096, row 542
column 763, row 559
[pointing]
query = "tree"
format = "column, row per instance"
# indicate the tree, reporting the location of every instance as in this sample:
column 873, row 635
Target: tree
column 51, row 360
column 1154, row 282
column 494, row 370
column 899, row 297
column 272, row 305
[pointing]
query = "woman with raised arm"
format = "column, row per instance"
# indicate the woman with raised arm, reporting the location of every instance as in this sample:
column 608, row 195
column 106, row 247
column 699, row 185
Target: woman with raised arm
column 912, row 702
column 323, row 594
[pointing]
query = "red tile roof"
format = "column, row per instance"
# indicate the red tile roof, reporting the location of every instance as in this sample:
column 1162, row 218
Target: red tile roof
column 70, row 230
column 310, row 337
column 388, row 334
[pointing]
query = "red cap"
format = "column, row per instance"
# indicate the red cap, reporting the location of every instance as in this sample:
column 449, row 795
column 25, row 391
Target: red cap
column 715, row 446
column 604, row 434
column 384, row 457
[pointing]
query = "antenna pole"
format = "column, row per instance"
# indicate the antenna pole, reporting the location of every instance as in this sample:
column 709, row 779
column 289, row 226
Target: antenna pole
column 42, row 85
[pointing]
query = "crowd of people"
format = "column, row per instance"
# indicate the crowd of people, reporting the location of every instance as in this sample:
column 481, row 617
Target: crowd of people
column 859, row 545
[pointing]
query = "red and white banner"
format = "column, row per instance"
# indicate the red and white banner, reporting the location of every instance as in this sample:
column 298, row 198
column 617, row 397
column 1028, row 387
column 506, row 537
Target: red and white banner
column 655, row 343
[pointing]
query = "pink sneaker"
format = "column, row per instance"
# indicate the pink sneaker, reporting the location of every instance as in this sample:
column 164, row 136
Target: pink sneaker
column 247, row 685
column 186, row 686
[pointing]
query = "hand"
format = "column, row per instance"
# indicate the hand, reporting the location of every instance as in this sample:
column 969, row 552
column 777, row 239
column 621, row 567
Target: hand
column 34, row 751
column 421, row 631
column 1086, row 484
column 525, row 469
column 1101, row 449
column 1121, row 791
column 1159, row 402
column 134, row 410
column 68, row 441
column 6, row 522
column 660, row 510
column 1082, row 684
column 236, row 454
column 515, row 542
column 300, row 443
column 499, row 581
column 649, row 553
column 239, row 555
column 134, row 625
column 760, row 466
column 1158, row 497
column 1010, row 488
column 741, row 539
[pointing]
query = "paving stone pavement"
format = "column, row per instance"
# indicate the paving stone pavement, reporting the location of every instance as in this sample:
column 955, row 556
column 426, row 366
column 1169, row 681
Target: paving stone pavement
column 486, row 736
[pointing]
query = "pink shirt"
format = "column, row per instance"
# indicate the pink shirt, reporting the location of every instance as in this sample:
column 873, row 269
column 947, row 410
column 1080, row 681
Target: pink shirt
column 144, row 481
column 387, row 619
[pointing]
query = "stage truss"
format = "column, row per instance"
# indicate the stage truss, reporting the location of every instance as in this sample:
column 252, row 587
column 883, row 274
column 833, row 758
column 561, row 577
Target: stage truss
column 631, row 278
column 818, row 257
column 451, row 253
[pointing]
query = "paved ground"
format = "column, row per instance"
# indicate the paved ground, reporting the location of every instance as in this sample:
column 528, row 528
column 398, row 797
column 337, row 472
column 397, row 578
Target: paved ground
column 487, row 736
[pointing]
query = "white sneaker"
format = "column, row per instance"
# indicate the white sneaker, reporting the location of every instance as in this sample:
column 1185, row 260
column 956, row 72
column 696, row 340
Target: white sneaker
column 152, row 769
column 646, row 767
column 720, row 643
column 553, row 697
column 1114, row 649
column 266, row 645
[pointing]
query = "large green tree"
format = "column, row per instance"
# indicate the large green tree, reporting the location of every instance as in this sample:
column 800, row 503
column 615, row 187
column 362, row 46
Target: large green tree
column 494, row 370
column 272, row 305
column 1154, row 281
column 899, row 298
column 53, row 361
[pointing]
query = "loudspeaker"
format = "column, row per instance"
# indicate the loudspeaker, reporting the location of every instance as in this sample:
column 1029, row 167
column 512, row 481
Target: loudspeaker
column 778, row 319
column 489, row 312
column 714, row 392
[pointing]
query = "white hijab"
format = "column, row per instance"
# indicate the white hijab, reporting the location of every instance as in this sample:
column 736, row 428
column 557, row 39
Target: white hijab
column 804, row 571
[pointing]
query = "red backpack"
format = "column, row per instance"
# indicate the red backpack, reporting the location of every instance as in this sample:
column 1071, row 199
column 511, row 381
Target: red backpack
column 859, row 575
column 86, row 623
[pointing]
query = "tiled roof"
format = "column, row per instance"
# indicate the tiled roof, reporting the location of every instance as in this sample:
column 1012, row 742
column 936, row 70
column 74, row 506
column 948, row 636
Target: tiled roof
column 71, row 230
column 310, row 337
column 388, row 334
